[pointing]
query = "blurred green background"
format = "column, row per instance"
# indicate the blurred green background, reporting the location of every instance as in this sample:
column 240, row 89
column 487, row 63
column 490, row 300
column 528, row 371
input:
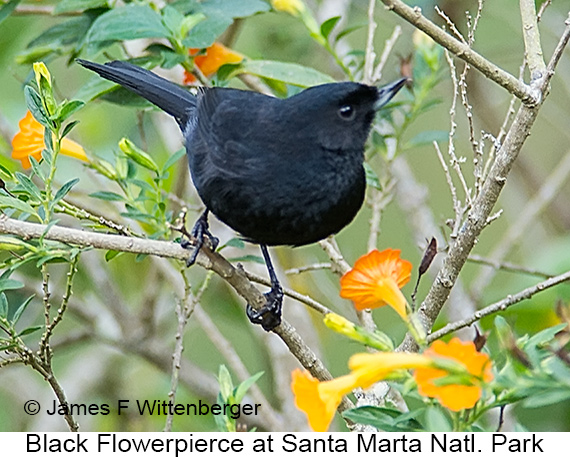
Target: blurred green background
column 116, row 341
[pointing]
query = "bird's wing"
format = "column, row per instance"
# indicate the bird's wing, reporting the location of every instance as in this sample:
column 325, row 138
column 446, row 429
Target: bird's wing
column 228, row 129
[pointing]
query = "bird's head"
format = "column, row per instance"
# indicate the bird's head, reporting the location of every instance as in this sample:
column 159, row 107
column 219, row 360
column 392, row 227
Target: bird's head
column 340, row 114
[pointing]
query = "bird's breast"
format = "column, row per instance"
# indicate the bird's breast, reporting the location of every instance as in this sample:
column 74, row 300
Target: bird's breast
column 291, row 203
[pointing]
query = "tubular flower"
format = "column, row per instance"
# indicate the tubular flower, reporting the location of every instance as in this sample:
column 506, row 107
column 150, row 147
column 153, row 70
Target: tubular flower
column 293, row 7
column 455, row 397
column 209, row 63
column 376, row 280
column 320, row 399
column 29, row 141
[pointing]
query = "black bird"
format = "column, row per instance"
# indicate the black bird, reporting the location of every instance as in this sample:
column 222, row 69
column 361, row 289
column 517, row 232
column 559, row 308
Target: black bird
column 277, row 171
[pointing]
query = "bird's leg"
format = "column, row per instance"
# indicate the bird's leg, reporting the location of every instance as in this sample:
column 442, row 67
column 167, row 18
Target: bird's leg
column 269, row 315
column 199, row 233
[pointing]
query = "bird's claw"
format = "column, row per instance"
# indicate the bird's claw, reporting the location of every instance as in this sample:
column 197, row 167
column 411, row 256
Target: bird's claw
column 269, row 315
column 197, row 238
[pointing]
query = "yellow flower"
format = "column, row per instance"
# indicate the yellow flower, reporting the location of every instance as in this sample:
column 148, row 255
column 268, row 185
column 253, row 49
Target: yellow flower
column 431, row 382
column 293, row 7
column 376, row 280
column 209, row 63
column 376, row 339
column 29, row 141
column 320, row 399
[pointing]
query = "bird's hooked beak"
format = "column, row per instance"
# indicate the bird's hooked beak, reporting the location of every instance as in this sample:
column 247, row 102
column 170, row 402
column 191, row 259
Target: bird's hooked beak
column 385, row 93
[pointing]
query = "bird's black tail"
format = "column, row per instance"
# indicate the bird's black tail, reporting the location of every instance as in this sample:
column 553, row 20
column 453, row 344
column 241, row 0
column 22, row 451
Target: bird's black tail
column 169, row 97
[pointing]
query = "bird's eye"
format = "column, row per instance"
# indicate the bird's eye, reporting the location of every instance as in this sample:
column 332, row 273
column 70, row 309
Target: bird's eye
column 347, row 112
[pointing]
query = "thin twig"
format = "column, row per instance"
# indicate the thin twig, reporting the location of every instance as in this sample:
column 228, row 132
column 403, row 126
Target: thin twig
column 184, row 309
column 516, row 231
column 207, row 259
column 312, row 303
column 339, row 265
column 369, row 54
column 507, row 266
column 531, row 36
column 226, row 349
column 501, row 305
column 388, row 46
column 462, row 50
column 483, row 205
column 451, row 24
column 313, row 267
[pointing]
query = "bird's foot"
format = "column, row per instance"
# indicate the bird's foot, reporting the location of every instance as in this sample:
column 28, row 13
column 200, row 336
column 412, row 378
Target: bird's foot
column 269, row 315
column 197, row 238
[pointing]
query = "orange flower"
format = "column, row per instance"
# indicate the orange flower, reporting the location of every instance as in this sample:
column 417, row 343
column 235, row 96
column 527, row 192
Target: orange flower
column 29, row 141
column 320, row 399
column 455, row 397
column 209, row 63
column 376, row 280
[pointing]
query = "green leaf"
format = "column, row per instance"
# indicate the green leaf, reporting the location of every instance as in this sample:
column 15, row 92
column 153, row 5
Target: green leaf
column 128, row 23
column 219, row 16
column 110, row 255
column 7, row 8
column 66, row 6
column 3, row 305
column 544, row 336
column 63, row 191
column 235, row 243
column 7, row 173
column 232, row 9
column 205, row 33
column 248, row 258
column 371, row 177
column 173, row 159
column 30, row 330
column 109, row 196
column 21, row 309
column 242, row 389
column 51, row 258
column 348, row 30
column 70, row 108
column 386, row 419
column 172, row 19
column 143, row 185
column 28, row 186
column 290, row 73
column 427, row 137
column 139, row 216
column 35, row 105
column 189, row 22
column 225, row 382
column 328, row 26
column 10, row 202
column 68, row 128
column 436, row 420
column 36, row 167
column 548, row 397
column 10, row 284
column 168, row 57
column 6, row 346
column 67, row 33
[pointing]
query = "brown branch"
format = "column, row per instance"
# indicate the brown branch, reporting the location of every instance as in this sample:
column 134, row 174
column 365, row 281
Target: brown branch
column 207, row 259
column 483, row 205
column 531, row 36
column 463, row 51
